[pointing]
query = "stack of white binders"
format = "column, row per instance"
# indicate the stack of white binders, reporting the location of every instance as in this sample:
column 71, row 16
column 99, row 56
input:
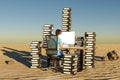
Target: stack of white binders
column 66, row 19
column 90, row 38
column 47, row 32
column 35, row 52
column 70, row 64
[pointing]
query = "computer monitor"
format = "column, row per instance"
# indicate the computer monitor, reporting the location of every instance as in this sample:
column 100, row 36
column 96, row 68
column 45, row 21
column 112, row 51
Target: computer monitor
column 68, row 37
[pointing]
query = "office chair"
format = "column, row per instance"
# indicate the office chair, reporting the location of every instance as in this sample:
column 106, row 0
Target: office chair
column 51, row 52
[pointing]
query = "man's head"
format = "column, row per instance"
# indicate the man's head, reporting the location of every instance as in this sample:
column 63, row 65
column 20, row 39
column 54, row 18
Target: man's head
column 58, row 32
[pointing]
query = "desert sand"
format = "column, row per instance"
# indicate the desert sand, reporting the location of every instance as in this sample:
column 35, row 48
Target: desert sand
column 19, row 70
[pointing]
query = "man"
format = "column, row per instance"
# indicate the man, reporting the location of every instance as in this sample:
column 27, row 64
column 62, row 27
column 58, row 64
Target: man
column 59, row 43
column 53, row 43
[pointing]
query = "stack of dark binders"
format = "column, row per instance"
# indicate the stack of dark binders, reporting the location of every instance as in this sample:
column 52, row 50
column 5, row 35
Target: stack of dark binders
column 66, row 19
column 90, row 38
column 47, row 32
column 80, row 53
column 35, row 52
column 70, row 64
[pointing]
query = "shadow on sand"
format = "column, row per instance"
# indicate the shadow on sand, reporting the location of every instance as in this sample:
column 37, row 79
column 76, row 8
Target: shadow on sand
column 20, row 56
column 24, row 57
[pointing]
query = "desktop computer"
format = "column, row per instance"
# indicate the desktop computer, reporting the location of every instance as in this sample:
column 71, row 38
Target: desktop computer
column 68, row 38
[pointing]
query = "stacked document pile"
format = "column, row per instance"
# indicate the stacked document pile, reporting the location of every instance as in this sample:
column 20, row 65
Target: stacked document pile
column 66, row 19
column 35, row 52
column 80, row 43
column 47, row 32
column 70, row 64
column 90, row 38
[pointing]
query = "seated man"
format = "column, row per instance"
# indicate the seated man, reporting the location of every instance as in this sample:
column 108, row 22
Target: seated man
column 54, row 46
column 60, row 45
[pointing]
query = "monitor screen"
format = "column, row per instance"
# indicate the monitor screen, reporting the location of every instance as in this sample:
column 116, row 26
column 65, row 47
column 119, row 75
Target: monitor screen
column 68, row 37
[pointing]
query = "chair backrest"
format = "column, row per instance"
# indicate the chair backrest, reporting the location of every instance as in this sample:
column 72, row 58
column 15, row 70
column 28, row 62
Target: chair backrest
column 52, row 42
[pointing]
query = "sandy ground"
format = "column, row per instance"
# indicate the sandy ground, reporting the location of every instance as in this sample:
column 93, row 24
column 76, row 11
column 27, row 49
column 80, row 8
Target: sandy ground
column 19, row 70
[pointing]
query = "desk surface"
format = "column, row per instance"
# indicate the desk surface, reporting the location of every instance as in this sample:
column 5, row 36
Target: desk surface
column 80, row 48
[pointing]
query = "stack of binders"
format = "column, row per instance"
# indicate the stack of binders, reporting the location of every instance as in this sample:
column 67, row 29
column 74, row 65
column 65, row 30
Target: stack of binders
column 66, row 19
column 35, row 52
column 47, row 32
column 79, row 41
column 80, row 53
column 70, row 64
column 90, row 38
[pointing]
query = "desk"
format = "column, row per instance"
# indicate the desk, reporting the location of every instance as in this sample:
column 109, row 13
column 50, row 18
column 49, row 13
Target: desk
column 75, row 48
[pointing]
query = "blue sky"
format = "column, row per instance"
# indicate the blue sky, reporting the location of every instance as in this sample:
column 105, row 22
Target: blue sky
column 21, row 21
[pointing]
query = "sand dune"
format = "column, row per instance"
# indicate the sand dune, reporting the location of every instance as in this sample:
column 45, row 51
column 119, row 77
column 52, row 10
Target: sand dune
column 19, row 70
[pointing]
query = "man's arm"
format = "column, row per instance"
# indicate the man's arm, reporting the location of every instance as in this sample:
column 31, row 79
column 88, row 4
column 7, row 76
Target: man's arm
column 61, row 46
